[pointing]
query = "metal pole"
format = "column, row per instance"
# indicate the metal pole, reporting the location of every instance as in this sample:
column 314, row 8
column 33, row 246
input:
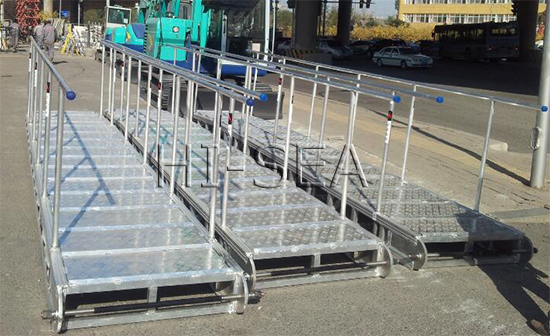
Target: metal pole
column 40, row 109
column 138, row 98
column 408, row 136
column 288, row 124
column 542, row 125
column 114, row 87
column 279, row 104
column 347, row 149
column 176, row 116
column 101, row 93
column 58, row 167
column 147, row 113
column 227, row 161
column 34, row 95
column 47, row 132
column 385, row 156
column 324, row 115
column 267, row 5
column 312, row 107
column 122, row 73
column 110, row 92
column 127, row 121
column 484, row 156
column 159, row 109
column 247, row 112
column 216, row 143
column 274, row 28
column 173, row 83
column 31, row 57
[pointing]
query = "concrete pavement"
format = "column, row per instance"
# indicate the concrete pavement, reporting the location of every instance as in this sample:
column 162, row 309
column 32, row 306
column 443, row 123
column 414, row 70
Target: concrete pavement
column 492, row 300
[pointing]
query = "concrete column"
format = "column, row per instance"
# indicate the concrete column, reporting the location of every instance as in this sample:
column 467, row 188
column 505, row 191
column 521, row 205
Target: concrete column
column 48, row 6
column 527, row 20
column 304, row 29
column 344, row 21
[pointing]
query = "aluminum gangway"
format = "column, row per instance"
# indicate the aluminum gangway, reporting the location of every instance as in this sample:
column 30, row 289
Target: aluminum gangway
column 279, row 234
column 116, row 247
column 417, row 224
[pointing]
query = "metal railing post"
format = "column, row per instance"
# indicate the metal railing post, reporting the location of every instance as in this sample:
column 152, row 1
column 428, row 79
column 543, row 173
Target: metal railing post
column 159, row 110
column 279, row 105
column 389, row 119
column 147, row 113
column 58, row 167
column 324, row 115
column 40, row 110
column 215, row 165
column 138, row 98
column 34, row 97
column 408, row 136
column 101, row 92
column 110, row 92
column 122, row 73
column 246, row 109
column 177, row 87
column 114, row 87
column 129, row 80
column 288, row 131
column 347, row 150
column 484, row 157
column 47, row 133
column 312, row 107
column 225, row 195
column 30, row 81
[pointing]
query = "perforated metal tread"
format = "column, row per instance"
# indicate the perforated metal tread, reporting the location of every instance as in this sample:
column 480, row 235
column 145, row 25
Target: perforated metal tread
column 116, row 226
column 432, row 217
column 284, row 211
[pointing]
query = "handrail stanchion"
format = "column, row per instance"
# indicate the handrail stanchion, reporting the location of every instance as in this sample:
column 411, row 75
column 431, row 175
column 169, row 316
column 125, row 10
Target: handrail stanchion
column 114, row 87
column 321, row 141
column 389, row 119
column 147, row 113
column 29, row 96
column 229, row 144
column 189, row 106
column 408, row 136
column 279, row 106
column 101, row 93
column 484, row 156
column 173, row 82
column 215, row 165
column 47, row 132
column 159, row 110
column 312, row 107
column 247, row 110
column 347, row 150
column 40, row 111
column 34, row 97
column 110, row 92
column 175, row 109
column 288, row 130
column 129, row 80
column 138, row 98
column 122, row 73
column 58, row 167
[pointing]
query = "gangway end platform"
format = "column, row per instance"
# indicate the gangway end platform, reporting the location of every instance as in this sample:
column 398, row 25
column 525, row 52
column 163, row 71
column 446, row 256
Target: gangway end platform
column 128, row 252
column 420, row 227
column 280, row 236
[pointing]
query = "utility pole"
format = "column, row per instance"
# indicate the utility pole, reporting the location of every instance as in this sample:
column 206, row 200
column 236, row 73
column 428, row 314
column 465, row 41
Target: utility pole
column 542, row 125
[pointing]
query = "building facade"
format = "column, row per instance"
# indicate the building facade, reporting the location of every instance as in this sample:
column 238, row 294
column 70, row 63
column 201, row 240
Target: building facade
column 457, row 11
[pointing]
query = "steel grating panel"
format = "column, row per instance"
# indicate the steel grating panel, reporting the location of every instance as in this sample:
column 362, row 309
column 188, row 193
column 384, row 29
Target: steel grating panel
column 431, row 216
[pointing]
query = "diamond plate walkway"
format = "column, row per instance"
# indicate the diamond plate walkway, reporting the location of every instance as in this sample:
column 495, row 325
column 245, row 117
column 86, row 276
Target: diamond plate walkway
column 418, row 224
column 119, row 231
column 281, row 235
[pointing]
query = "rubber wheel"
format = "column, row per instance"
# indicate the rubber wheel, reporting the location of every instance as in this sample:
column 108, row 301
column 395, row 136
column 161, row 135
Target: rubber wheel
column 403, row 65
column 379, row 62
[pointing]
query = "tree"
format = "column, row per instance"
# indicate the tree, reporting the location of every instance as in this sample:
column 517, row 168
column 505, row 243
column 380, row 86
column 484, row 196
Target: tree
column 93, row 16
column 393, row 21
column 284, row 21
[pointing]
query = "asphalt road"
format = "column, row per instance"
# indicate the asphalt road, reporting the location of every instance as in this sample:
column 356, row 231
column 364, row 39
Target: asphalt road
column 513, row 81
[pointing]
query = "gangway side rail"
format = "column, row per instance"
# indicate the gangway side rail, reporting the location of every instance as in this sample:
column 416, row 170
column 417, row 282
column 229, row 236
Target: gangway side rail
column 450, row 233
column 109, row 234
column 286, row 225
column 493, row 100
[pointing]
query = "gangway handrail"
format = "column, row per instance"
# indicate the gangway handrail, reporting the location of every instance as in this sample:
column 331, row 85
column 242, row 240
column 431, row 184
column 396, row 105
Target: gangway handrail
column 354, row 90
column 493, row 100
column 404, row 81
column 35, row 115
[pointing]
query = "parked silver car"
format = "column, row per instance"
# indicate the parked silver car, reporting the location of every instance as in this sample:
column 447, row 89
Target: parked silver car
column 334, row 48
column 403, row 57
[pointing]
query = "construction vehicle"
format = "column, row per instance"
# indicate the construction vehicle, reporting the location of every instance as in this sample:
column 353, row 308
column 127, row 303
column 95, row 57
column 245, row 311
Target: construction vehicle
column 226, row 25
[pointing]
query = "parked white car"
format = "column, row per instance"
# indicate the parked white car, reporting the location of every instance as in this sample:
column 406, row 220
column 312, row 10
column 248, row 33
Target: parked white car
column 403, row 57
column 334, row 48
